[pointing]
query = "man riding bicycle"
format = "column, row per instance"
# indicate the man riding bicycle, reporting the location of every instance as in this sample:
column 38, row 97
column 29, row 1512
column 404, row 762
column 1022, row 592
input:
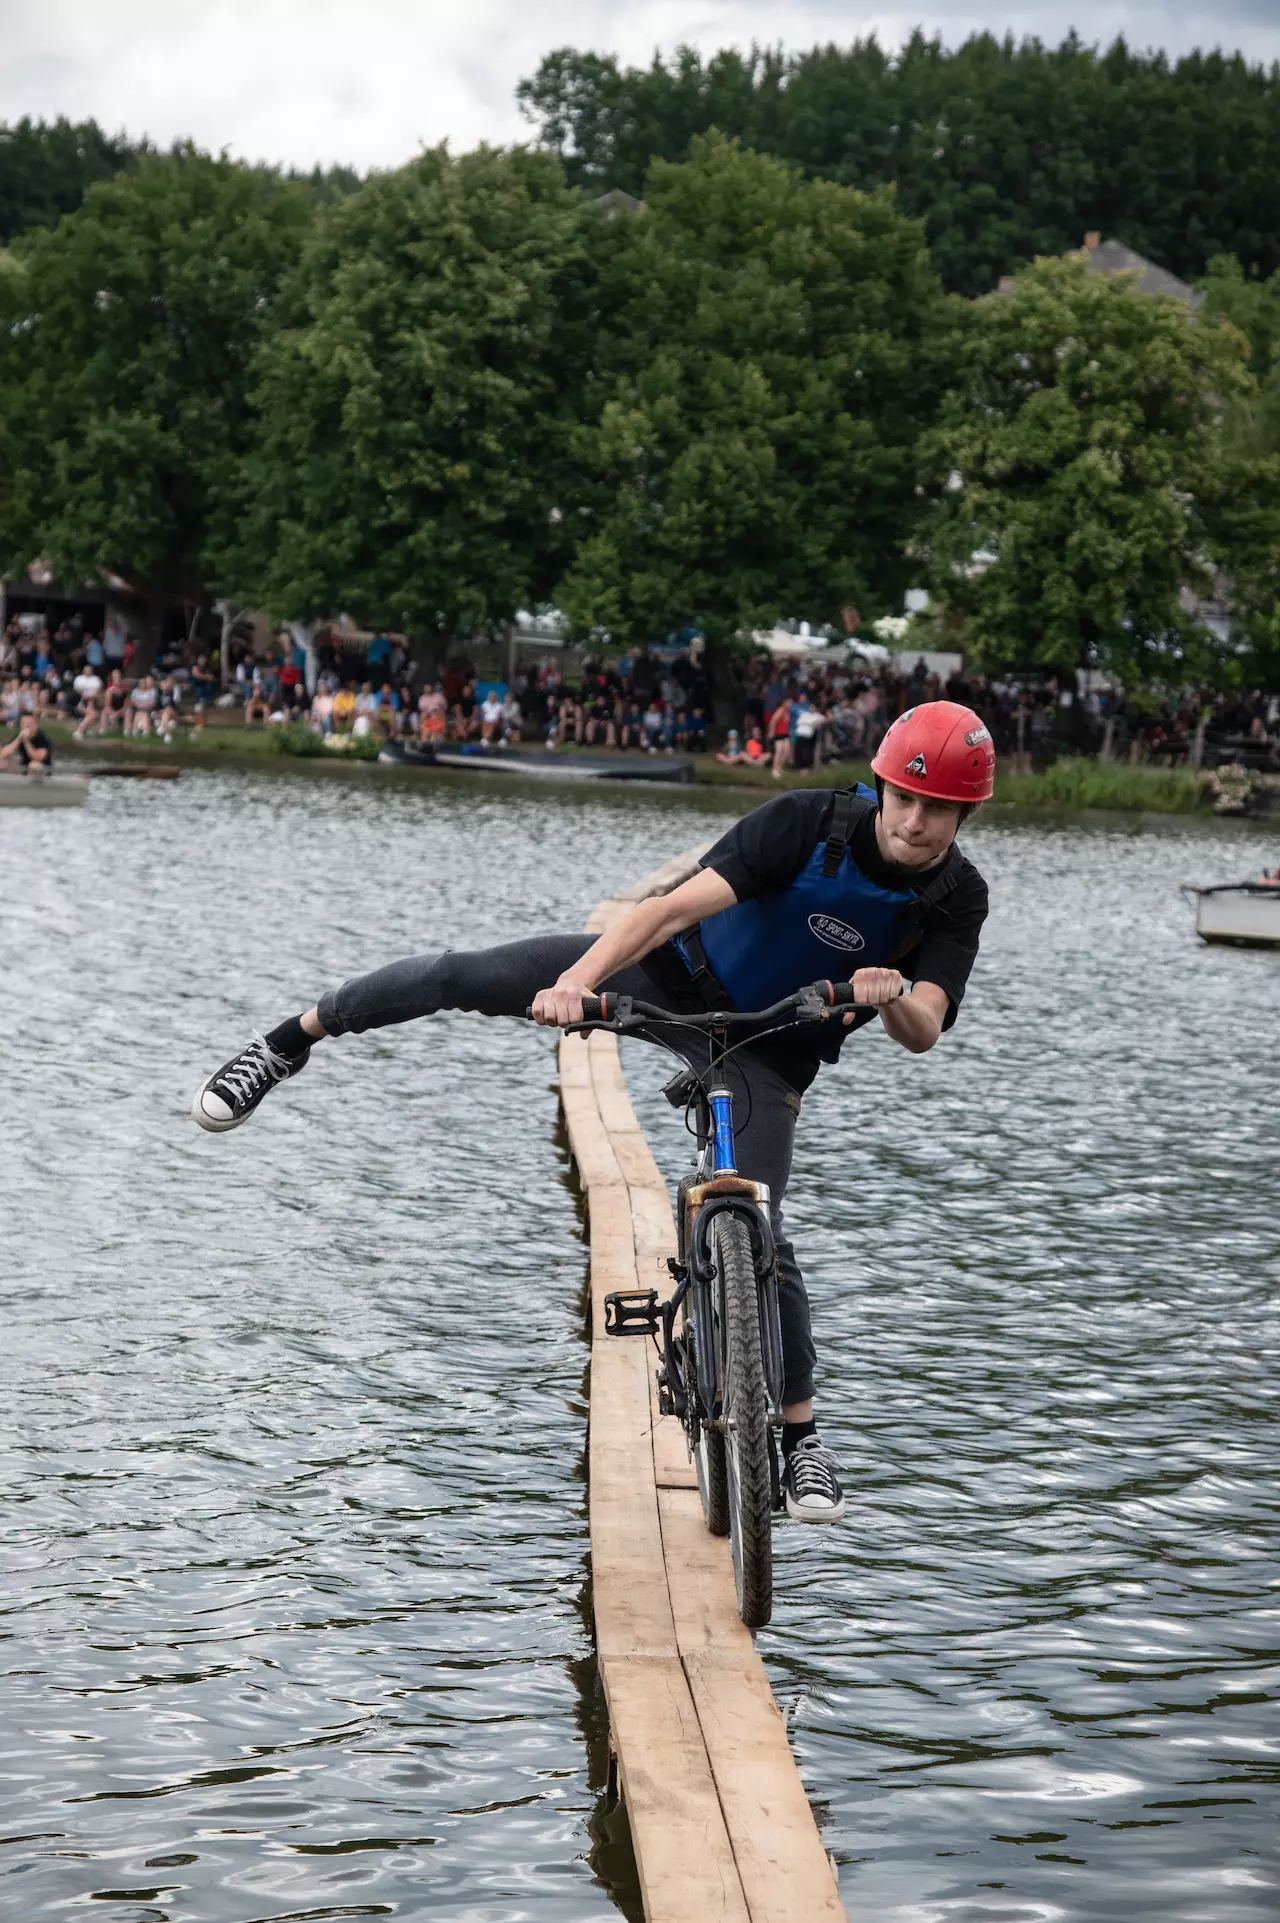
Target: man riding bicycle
column 814, row 884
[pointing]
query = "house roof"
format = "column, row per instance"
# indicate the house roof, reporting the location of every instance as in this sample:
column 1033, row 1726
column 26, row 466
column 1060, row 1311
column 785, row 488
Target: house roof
column 1111, row 257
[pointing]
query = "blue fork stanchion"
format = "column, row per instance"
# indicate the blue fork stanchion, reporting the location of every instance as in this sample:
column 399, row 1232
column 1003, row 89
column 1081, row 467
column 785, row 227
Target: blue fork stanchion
column 722, row 1122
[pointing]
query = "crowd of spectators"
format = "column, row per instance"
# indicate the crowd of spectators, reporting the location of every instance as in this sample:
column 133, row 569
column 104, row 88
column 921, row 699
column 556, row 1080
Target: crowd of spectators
column 788, row 715
column 644, row 704
column 85, row 681
column 797, row 715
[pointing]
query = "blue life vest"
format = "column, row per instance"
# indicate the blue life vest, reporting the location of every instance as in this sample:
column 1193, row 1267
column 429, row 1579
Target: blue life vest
column 829, row 921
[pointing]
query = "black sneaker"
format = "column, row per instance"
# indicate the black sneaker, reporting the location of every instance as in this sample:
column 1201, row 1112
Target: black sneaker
column 810, row 1483
column 230, row 1097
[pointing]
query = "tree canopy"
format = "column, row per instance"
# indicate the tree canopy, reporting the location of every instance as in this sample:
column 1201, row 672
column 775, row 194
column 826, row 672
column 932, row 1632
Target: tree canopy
column 1078, row 475
column 769, row 350
column 46, row 170
column 415, row 403
column 1007, row 150
column 126, row 335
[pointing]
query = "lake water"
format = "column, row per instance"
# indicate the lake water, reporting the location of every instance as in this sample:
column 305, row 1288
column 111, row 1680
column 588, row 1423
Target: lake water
column 291, row 1422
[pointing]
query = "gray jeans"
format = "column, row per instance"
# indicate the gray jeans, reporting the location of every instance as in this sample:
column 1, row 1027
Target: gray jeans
column 504, row 980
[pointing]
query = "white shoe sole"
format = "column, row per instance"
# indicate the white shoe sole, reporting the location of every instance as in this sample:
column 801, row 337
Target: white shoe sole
column 799, row 1514
column 208, row 1121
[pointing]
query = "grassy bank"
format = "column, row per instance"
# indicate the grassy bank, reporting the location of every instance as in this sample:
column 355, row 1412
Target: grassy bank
column 1068, row 784
column 1107, row 784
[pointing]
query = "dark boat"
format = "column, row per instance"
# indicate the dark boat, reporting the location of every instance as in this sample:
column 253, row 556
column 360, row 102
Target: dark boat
column 520, row 761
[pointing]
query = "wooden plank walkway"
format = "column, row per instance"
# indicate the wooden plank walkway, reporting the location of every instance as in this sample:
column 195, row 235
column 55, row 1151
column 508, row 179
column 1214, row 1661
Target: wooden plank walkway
column 720, row 1823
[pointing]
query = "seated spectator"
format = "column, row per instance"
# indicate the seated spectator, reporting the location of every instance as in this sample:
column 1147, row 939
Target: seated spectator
column 696, row 732
column 142, row 706
column 88, row 687
column 630, row 724
column 389, row 708
column 731, row 753
column 651, row 721
column 601, row 730
column 755, row 751
column 570, row 721
column 344, row 709
column 433, row 715
column 491, row 718
column 30, row 749
column 169, row 704
column 367, row 706
column 115, row 700
column 512, row 718
column 466, row 718
column 322, row 710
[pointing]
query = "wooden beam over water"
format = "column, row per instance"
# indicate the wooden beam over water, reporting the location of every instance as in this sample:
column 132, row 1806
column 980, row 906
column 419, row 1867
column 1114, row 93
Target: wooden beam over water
column 720, row 1823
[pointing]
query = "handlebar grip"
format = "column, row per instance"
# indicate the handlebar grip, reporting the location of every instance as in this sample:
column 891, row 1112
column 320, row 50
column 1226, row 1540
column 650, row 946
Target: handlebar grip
column 599, row 1008
column 836, row 994
column 840, row 994
column 595, row 1008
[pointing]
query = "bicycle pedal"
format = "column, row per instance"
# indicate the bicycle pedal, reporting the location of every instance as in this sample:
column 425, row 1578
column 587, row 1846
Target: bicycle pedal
column 631, row 1312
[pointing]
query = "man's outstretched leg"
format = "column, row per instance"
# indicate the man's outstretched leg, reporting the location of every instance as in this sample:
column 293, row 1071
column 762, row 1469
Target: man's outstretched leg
column 490, row 981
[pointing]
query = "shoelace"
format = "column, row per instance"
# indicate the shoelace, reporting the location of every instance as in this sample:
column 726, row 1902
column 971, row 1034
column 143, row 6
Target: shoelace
column 812, row 1470
column 253, row 1066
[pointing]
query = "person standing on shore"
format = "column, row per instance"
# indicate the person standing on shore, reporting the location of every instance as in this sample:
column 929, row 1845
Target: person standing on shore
column 813, row 883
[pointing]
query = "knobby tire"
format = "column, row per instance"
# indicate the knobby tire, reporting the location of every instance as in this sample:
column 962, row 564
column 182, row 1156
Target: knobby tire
column 707, row 1446
column 744, row 1408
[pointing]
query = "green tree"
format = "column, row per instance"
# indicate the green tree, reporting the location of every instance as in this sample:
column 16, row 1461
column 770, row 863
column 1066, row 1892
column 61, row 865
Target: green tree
column 45, row 170
column 1007, row 150
column 770, row 350
column 416, row 401
column 126, row 336
column 1077, row 475
column 1251, row 304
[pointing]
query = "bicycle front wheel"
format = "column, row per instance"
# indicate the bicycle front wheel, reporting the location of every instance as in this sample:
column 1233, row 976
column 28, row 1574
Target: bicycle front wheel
column 746, row 1422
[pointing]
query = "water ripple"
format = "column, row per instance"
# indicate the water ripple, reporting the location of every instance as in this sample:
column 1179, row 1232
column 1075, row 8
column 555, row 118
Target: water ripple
column 293, row 1620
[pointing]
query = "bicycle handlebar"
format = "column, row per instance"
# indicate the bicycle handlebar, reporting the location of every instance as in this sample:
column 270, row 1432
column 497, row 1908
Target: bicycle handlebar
column 815, row 1002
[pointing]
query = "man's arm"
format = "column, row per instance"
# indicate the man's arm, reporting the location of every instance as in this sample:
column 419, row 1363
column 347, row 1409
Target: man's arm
column 644, row 928
column 915, row 1020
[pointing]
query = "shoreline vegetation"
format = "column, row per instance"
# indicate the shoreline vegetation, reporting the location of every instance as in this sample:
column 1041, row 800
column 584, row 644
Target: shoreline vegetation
column 1067, row 784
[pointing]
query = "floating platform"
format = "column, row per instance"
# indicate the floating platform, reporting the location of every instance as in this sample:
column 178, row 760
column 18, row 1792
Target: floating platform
column 1242, row 914
column 720, row 1822
column 43, row 791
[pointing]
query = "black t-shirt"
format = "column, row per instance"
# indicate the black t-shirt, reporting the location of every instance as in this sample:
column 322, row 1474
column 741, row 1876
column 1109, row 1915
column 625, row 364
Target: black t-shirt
column 765, row 851
column 38, row 740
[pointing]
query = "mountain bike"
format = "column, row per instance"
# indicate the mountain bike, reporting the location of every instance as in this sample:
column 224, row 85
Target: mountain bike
column 719, row 1332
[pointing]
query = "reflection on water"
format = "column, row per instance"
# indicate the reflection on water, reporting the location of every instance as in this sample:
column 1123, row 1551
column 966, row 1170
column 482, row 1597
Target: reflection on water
column 292, row 1425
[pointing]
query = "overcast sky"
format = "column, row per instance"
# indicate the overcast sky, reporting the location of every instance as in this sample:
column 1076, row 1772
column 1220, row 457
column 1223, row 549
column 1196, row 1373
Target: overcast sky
column 370, row 81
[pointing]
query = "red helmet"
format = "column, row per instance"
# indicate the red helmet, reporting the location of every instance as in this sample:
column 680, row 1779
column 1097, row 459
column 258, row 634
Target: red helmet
column 939, row 749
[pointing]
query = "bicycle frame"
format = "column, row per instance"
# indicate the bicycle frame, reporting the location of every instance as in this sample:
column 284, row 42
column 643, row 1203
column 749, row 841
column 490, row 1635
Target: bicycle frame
column 715, row 1188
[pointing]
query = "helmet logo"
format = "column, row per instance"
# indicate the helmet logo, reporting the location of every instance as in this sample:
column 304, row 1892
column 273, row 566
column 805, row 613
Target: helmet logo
column 916, row 766
column 975, row 735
